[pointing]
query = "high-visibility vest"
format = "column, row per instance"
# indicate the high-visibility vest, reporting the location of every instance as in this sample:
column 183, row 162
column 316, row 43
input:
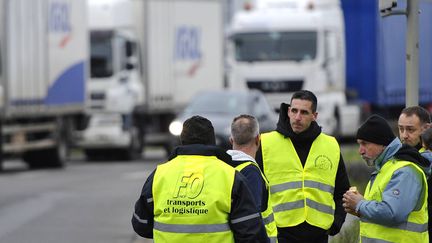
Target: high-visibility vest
column 192, row 200
column 267, row 214
column 415, row 229
column 298, row 193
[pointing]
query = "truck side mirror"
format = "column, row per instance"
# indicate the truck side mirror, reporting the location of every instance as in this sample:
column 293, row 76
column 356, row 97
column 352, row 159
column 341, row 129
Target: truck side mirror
column 130, row 47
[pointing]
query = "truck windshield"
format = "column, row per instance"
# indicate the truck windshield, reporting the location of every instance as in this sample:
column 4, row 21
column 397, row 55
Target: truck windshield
column 275, row 46
column 101, row 63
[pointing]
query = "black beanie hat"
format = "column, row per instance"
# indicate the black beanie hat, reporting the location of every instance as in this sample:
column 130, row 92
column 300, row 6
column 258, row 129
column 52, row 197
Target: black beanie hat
column 376, row 130
column 197, row 130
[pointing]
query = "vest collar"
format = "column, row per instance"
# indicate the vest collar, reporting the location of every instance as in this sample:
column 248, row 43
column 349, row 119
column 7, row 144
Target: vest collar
column 200, row 149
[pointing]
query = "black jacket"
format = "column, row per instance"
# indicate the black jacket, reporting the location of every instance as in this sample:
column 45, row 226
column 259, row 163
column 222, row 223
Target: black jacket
column 242, row 203
column 302, row 142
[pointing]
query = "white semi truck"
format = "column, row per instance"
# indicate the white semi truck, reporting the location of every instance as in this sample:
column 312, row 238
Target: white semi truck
column 282, row 46
column 115, row 91
column 43, row 74
column 148, row 58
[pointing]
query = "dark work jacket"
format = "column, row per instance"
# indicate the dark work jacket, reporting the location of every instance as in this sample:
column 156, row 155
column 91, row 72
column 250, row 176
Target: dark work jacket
column 242, row 202
column 256, row 182
column 302, row 142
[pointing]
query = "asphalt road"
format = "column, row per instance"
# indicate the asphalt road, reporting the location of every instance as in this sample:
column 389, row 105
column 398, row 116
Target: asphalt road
column 84, row 202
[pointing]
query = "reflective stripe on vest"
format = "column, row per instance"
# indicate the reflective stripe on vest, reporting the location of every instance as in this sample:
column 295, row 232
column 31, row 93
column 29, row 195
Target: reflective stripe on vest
column 298, row 193
column 415, row 229
column 267, row 214
column 192, row 200
column 191, row 228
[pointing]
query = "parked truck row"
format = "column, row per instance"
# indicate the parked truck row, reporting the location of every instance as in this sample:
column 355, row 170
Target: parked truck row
column 104, row 76
column 108, row 76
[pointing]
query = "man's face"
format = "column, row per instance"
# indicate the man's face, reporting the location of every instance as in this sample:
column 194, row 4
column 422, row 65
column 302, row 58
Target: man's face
column 369, row 151
column 410, row 129
column 301, row 115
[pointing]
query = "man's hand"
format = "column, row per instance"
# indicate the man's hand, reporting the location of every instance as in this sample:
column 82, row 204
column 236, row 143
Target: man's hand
column 350, row 200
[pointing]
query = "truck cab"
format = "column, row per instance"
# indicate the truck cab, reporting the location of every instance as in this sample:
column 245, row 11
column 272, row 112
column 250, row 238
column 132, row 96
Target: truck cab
column 282, row 46
column 115, row 89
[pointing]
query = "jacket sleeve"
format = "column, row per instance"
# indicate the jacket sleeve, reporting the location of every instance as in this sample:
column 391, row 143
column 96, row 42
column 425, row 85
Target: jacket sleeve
column 255, row 183
column 142, row 218
column 400, row 197
column 245, row 220
column 342, row 185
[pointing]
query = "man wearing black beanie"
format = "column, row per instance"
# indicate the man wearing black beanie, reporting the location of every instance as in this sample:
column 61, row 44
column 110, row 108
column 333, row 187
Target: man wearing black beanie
column 394, row 207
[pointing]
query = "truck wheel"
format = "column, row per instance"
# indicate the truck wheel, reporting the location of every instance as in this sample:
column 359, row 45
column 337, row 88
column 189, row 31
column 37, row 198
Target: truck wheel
column 54, row 157
column 48, row 158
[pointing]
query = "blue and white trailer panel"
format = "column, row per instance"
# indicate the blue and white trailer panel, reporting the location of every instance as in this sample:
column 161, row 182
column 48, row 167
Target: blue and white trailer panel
column 44, row 56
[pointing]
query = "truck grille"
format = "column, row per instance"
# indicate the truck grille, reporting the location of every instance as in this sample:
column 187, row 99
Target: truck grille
column 97, row 96
column 275, row 86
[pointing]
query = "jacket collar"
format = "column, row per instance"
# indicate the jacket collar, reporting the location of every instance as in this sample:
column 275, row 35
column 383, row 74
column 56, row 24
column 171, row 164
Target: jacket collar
column 200, row 149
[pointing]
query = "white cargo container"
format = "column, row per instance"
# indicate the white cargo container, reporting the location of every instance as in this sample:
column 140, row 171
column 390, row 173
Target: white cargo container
column 282, row 46
column 43, row 73
column 148, row 58
column 183, row 51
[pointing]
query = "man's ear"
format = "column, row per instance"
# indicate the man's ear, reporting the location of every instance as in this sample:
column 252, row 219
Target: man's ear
column 257, row 140
column 315, row 115
column 231, row 140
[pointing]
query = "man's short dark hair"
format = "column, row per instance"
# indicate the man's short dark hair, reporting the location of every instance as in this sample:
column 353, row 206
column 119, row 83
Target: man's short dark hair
column 306, row 95
column 426, row 138
column 197, row 130
column 244, row 129
column 419, row 111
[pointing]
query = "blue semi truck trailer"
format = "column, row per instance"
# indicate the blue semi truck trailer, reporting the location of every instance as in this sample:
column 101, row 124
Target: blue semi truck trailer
column 375, row 56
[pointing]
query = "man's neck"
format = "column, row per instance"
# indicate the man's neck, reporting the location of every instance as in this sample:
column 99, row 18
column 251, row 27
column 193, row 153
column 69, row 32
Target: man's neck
column 249, row 150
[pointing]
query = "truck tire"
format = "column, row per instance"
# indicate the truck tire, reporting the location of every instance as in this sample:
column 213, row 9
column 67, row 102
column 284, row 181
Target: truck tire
column 48, row 158
column 51, row 157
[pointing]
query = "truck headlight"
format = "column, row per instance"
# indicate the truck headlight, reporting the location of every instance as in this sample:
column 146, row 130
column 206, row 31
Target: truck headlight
column 176, row 128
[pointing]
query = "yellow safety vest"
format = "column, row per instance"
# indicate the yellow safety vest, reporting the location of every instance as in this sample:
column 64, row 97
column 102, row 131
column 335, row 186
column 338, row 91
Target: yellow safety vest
column 267, row 214
column 415, row 229
column 192, row 200
column 298, row 193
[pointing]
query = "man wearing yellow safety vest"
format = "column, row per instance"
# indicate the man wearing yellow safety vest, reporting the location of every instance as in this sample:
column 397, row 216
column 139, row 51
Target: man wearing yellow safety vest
column 412, row 122
column 196, row 196
column 306, row 173
column 394, row 207
column 245, row 140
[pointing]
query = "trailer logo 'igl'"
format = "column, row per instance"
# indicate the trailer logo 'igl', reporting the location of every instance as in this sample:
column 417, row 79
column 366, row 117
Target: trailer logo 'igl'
column 59, row 21
column 189, row 186
column 188, row 47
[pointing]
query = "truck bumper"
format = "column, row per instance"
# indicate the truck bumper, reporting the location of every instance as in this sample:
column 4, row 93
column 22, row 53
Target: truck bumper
column 103, row 132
